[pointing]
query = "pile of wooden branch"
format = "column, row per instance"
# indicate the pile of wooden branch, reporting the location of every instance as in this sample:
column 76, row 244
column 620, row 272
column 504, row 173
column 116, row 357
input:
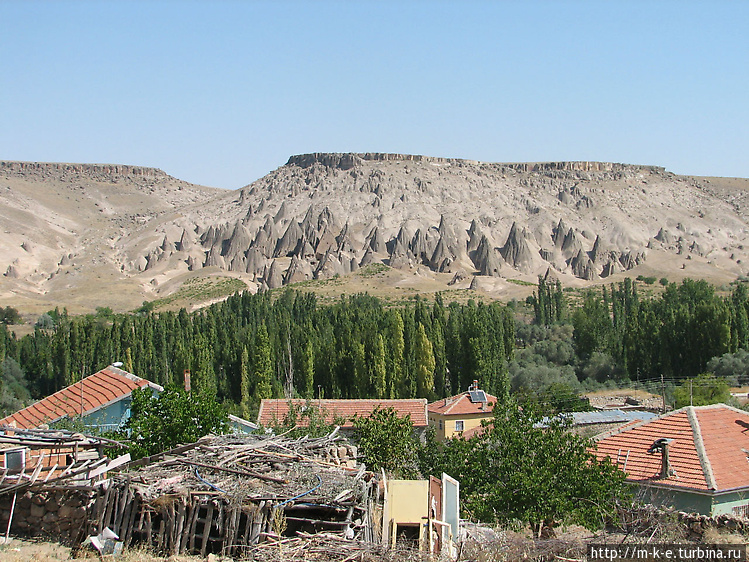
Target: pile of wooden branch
column 324, row 547
column 47, row 459
column 229, row 494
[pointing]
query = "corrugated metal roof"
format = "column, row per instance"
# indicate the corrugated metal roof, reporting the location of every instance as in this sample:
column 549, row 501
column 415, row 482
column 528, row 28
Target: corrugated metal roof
column 610, row 416
column 84, row 397
column 274, row 411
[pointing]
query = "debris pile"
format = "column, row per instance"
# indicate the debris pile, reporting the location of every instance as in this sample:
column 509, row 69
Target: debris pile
column 230, row 495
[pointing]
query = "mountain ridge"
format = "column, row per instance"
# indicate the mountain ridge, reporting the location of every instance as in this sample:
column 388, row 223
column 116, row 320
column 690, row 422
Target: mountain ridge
column 323, row 215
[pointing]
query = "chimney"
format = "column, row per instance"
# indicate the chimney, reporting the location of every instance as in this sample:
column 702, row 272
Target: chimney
column 187, row 380
column 662, row 446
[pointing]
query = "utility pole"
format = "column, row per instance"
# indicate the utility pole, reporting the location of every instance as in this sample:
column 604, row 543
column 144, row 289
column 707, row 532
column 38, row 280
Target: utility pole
column 663, row 393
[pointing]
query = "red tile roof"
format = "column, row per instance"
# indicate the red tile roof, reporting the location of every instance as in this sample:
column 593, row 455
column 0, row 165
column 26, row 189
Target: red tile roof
column 461, row 404
column 95, row 391
column 474, row 431
column 708, row 451
column 274, row 411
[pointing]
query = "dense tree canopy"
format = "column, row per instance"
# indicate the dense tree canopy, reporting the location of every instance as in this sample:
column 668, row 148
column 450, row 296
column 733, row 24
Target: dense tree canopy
column 159, row 423
column 387, row 442
column 528, row 468
column 257, row 346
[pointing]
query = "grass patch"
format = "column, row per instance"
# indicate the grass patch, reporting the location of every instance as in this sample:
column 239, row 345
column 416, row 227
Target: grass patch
column 200, row 289
column 372, row 270
column 521, row 282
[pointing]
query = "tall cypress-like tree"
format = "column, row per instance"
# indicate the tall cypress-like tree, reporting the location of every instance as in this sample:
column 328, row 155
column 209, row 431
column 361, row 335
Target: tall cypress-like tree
column 245, row 404
column 424, row 364
column 262, row 367
column 378, row 370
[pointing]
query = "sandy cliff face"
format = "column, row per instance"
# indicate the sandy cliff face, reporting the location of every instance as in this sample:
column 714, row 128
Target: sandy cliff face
column 323, row 214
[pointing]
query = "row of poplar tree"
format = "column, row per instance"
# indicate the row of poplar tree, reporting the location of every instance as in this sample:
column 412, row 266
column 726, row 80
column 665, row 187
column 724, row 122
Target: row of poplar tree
column 251, row 347
column 674, row 334
column 260, row 346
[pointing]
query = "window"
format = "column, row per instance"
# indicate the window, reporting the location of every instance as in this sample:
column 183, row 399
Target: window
column 440, row 425
column 15, row 459
column 741, row 511
column 458, row 425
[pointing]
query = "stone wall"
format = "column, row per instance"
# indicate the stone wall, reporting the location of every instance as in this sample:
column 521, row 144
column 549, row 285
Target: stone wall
column 692, row 525
column 697, row 524
column 59, row 515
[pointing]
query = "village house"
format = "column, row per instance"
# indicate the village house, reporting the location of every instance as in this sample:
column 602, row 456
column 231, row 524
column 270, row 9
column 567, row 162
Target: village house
column 275, row 412
column 101, row 400
column 693, row 459
column 461, row 415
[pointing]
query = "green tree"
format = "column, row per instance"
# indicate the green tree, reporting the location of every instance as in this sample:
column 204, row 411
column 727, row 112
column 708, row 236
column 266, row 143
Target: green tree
column 702, row 390
column 262, row 368
column 378, row 370
column 9, row 315
column 424, row 364
column 387, row 441
column 159, row 423
column 245, row 404
column 528, row 468
column 14, row 393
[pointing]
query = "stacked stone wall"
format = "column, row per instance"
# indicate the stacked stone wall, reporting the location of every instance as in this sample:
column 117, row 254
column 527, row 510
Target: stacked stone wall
column 60, row 515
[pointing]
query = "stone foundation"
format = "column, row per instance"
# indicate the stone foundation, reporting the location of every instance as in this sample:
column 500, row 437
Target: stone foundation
column 60, row 515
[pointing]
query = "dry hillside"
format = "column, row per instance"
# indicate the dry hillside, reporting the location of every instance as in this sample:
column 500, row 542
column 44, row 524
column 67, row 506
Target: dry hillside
column 107, row 235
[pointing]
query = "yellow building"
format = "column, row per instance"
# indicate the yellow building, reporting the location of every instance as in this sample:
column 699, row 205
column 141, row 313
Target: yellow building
column 461, row 414
column 423, row 514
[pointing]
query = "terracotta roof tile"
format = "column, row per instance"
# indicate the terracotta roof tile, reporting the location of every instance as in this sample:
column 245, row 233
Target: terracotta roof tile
column 99, row 389
column 707, row 452
column 460, row 405
column 275, row 410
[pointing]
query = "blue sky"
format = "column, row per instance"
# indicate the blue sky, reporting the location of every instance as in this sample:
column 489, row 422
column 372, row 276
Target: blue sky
column 221, row 93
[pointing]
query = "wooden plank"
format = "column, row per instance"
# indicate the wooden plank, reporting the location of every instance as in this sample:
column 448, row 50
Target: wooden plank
column 110, row 507
column 104, row 507
column 232, row 531
column 119, row 461
column 193, row 526
column 37, row 469
column 162, row 529
column 170, row 524
column 130, row 521
column 206, row 529
column 184, row 541
column 51, row 472
column 120, row 510
column 178, row 526
column 149, row 529
column 257, row 523
column 248, row 526
column 141, row 519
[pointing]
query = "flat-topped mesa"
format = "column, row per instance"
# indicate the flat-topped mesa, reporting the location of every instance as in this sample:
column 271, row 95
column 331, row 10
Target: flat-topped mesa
column 347, row 160
column 578, row 166
column 93, row 171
